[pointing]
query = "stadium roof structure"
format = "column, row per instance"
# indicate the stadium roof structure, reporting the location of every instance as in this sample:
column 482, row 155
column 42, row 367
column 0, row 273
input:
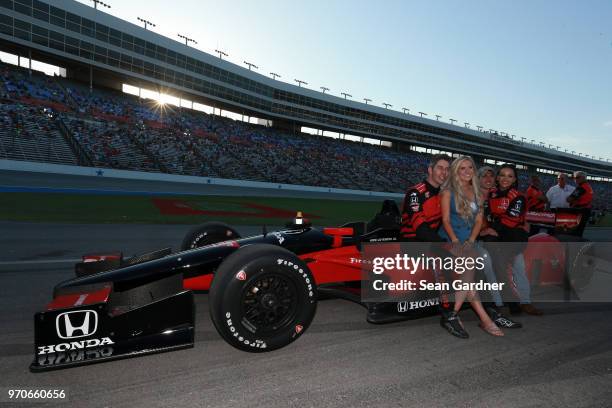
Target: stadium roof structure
column 72, row 34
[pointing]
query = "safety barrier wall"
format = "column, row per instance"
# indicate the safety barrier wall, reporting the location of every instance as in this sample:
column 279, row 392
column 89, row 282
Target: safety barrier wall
column 15, row 165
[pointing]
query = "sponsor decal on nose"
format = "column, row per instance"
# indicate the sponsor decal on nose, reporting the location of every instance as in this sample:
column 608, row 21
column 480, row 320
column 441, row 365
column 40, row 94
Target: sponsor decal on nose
column 75, row 324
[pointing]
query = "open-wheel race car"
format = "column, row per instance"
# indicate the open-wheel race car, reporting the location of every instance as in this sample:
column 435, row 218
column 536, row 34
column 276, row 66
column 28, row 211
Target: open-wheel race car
column 263, row 290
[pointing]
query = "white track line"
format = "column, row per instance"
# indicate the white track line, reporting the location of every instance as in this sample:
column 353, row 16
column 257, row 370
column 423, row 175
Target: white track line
column 40, row 261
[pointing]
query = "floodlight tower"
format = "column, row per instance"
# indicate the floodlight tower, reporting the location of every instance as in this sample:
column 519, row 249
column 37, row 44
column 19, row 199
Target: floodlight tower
column 187, row 39
column 96, row 2
column 250, row 65
column 146, row 22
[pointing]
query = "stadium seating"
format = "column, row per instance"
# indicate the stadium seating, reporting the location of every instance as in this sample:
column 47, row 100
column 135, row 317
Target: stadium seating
column 29, row 133
column 108, row 144
column 121, row 131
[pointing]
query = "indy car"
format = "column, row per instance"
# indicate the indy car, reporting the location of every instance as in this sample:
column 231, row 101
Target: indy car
column 263, row 290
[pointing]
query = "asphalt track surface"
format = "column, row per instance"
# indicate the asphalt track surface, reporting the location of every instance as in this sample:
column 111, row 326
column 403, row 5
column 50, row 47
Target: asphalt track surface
column 561, row 359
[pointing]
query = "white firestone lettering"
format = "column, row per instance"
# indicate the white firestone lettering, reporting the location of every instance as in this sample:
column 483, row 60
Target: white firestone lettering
column 300, row 271
column 256, row 343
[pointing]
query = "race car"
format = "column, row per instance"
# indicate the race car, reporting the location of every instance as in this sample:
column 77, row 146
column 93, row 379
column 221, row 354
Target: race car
column 263, row 291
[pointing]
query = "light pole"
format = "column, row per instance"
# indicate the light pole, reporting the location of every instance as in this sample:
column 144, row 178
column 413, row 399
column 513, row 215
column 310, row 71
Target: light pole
column 346, row 95
column 367, row 100
column 452, row 121
column 250, row 65
column 438, row 117
column 103, row 4
column 479, row 128
column 422, row 113
column 221, row 54
column 274, row 75
column 187, row 39
column 95, row 2
column 324, row 89
column 146, row 22
column 523, row 139
column 467, row 124
column 300, row 82
column 386, row 105
column 406, row 110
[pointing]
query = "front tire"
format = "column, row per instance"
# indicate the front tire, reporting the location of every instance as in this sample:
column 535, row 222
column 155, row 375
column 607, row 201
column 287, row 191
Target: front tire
column 262, row 298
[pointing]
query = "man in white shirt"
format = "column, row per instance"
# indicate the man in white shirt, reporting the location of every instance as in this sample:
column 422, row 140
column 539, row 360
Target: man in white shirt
column 557, row 194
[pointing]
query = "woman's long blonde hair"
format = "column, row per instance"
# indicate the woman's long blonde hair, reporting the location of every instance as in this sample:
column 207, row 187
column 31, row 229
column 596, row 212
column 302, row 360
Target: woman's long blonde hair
column 453, row 185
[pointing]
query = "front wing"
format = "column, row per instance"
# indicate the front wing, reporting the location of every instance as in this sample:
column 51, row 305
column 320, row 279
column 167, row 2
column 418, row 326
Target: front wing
column 106, row 329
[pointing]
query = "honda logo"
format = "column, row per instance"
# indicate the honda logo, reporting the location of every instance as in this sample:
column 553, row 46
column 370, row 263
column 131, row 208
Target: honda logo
column 402, row 307
column 79, row 323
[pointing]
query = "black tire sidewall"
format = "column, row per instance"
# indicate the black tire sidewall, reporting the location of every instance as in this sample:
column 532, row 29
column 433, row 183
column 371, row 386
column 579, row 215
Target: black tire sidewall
column 215, row 229
column 258, row 261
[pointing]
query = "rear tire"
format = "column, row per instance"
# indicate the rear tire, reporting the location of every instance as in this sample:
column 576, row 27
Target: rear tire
column 208, row 233
column 262, row 298
column 582, row 267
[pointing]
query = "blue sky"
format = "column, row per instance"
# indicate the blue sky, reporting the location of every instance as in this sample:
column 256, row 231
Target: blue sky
column 539, row 69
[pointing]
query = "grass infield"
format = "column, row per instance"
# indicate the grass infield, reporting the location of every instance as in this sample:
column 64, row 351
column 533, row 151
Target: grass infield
column 78, row 208
column 606, row 221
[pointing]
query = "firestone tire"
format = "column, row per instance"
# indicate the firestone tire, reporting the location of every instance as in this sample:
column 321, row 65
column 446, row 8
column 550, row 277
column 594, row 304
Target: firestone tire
column 208, row 233
column 262, row 298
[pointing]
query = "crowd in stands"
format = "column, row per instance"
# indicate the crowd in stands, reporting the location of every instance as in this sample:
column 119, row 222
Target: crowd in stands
column 121, row 131
column 18, row 85
column 28, row 133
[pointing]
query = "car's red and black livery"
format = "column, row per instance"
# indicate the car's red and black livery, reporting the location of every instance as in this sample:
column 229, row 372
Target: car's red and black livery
column 263, row 291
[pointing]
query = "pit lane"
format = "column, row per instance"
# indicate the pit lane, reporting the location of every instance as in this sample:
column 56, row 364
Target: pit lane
column 561, row 359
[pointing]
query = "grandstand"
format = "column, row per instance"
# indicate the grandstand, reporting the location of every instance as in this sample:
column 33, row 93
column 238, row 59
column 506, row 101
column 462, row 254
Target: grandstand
column 84, row 118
